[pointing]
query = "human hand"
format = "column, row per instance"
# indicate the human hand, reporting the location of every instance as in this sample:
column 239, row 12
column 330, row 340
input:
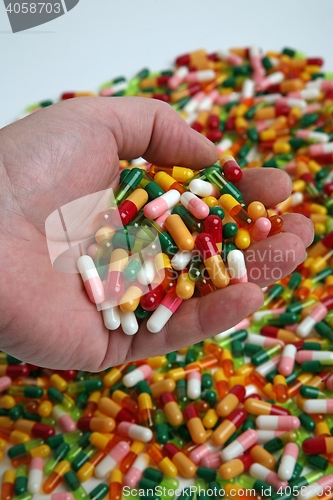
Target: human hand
column 73, row 149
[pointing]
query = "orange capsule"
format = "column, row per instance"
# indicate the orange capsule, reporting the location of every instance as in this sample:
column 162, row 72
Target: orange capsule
column 171, row 409
column 194, row 424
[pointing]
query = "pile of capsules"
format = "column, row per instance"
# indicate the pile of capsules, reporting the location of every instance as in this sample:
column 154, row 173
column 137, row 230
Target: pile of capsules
column 249, row 413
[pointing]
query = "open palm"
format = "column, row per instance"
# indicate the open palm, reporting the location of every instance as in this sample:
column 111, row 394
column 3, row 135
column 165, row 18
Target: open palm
column 73, row 149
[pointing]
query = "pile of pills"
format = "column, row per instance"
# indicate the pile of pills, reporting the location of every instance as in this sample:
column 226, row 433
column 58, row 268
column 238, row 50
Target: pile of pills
column 249, row 413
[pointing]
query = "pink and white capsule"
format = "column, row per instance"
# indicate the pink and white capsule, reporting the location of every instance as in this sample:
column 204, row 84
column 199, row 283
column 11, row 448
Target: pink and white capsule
column 318, row 149
column 260, row 229
column 112, row 459
column 208, row 101
column 236, row 267
column 56, row 496
column 64, row 420
column 318, row 406
column 91, row 280
column 288, row 461
column 129, row 323
column 240, row 445
column 258, row 471
column 35, row 474
column 135, row 432
column 212, row 461
column 321, row 487
column 262, row 341
column 271, row 79
column 229, row 57
column 316, row 315
column 158, row 206
column 310, row 135
column 276, row 423
column 135, row 473
column 197, row 207
column 224, row 99
column 203, row 450
column 163, row 312
column 178, row 77
column 5, row 383
column 192, row 105
column 264, row 436
column 248, row 89
column 143, row 372
column 204, row 75
column 193, row 385
column 287, row 361
column 268, row 366
column 203, row 188
column 303, row 356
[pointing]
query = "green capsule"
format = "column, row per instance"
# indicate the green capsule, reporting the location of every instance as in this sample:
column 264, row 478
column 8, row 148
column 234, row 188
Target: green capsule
column 217, row 211
column 58, row 397
column 237, row 349
column 194, row 272
column 229, row 230
column 250, row 349
column 240, row 335
column 153, row 190
column 217, row 178
column 191, row 355
column 297, row 143
column 289, row 52
column 132, row 270
column 186, row 494
column 76, row 448
column 23, row 496
column 249, row 423
column 80, row 404
column 143, row 387
column 16, row 412
column 297, row 307
column 324, row 330
column 99, row 492
column 207, row 474
column 318, row 462
column 307, row 120
column 183, row 433
column 309, row 392
column 266, row 354
column 272, row 294
column 308, row 423
column 306, row 480
column 75, row 487
column 21, row 479
column 67, row 437
column 83, row 457
column 127, row 186
column 172, row 356
column 85, row 386
column 21, row 449
column 210, row 396
column 206, row 381
column 59, row 454
column 192, row 223
column 141, row 313
column 281, row 319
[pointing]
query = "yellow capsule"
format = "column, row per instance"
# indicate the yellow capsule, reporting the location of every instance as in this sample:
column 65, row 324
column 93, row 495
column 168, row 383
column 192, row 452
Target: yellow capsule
column 262, row 456
column 7, row 402
column 99, row 440
column 104, row 233
column 6, row 422
column 179, row 232
column 211, row 201
column 245, row 369
column 157, row 362
column 131, row 299
column 210, row 419
column 319, row 228
column 166, row 182
column 268, row 390
column 112, row 377
column 158, row 377
column 41, row 451
column 314, row 168
column 58, row 382
column 315, row 208
column 242, row 239
column 3, row 444
column 236, row 380
column 281, row 147
column 162, row 261
column 182, row 174
column 116, row 476
column 329, row 281
column 45, row 409
column 185, row 287
column 322, row 429
column 299, row 186
column 18, row 437
column 145, row 402
column 85, row 472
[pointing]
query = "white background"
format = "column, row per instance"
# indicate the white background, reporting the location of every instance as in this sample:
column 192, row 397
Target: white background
column 101, row 39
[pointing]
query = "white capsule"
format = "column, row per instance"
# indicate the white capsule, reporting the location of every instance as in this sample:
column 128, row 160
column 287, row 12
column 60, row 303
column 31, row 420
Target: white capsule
column 193, row 385
column 224, row 145
column 318, row 406
column 35, row 475
column 134, row 431
column 146, row 274
column 141, row 373
column 181, row 259
column 248, row 89
column 236, row 267
column 305, row 326
column 129, row 323
column 195, row 205
column 288, row 461
column 310, row 94
column 203, row 188
column 264, row 436
column 111, row 315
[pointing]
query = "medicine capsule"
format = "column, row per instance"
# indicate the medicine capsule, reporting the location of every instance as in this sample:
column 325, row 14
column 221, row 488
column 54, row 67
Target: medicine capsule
column 129, row 208
column 203, row 188
column 35, row 474
column 115, row 285
column 316, row 315
column 239, row 445
column 134, row 431
column 135, row 473
column 230, row 402
column 194, row 205
column 164, row 463
column 56, row 476
column 257, row 407
column 111, row 461
column 285, row 423
column 288, row 461
column 314, row 406
column 185, row 466
column 237, row 267
column 228, row 426
column 261, row 472
column 92, row 282
column 193, row 385
column 322, row 487
column 159, row 206
column 168, row 183
column 185, row 287
column 235, row 467
column 171, row 409
column 212, row 260
column 194, row 424
column 113, row 410
column 179, row 232
column 163, row 312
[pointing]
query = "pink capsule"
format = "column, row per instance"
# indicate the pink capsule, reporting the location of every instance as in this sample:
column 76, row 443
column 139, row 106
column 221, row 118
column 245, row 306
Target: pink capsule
column 160, row 221
column 64, row 420
column 321, row 488
column 318, row 406
column 35, row 474
column 178, row 77
column 288, row 461
column 135, row 432
column 287, row 362
column 204, row 75
column 160, row 205
column 224, row 99
column 92, row 282
column 203, row 450
column 197, row 207
column 303, row 356
column 260, row 229
column 112, row 459
column 135, row 473
column 283, row 422
column 58, row 496
column 5, row 383
column 212, row 461
column 239, row 445
column 258, row 471
column 271, row 79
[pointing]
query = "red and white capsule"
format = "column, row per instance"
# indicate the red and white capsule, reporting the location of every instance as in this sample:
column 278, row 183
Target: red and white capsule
column 237, row 267
column 163, row 312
